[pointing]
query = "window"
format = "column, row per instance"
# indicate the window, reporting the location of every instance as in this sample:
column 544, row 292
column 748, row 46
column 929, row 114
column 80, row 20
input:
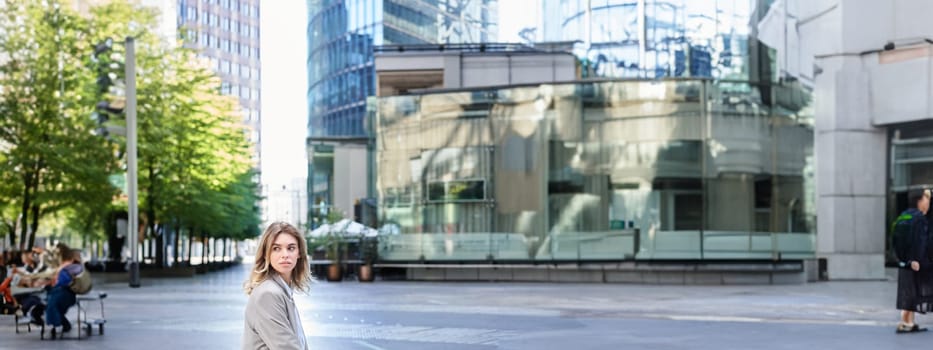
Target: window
column 225, row 24
column 454, row 191
column 192, row 13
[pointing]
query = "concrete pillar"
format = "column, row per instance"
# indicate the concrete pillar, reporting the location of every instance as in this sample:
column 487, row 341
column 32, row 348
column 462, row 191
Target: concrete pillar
column 850, row 173
column 850, row 151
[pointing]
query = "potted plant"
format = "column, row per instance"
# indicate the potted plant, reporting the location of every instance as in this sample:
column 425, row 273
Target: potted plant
column 369, row 251
column 334, row 248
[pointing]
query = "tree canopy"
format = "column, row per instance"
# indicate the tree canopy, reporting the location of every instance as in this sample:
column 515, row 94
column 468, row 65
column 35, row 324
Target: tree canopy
column 195, row 167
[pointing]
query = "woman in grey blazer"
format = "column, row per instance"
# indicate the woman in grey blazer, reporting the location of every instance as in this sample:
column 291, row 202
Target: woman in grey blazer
column 272, row 321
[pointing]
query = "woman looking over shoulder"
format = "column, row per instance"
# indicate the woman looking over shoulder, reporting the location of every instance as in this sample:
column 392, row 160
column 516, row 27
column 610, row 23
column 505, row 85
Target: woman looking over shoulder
column 281, row 266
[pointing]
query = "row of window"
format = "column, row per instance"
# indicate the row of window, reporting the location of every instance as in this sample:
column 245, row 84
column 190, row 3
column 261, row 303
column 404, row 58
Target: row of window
column 249, row 115
column 231, row 68
column 348, row 88
column 347, row 122
column 210, row 19
column 245, row 8
column 242, row 91
column 351, row 16
column 230, row 46
column 354, row 50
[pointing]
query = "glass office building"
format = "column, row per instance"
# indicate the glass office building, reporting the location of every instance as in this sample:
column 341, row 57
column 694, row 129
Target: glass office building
column 341, row 36
column 610, row 170
column 659, row 38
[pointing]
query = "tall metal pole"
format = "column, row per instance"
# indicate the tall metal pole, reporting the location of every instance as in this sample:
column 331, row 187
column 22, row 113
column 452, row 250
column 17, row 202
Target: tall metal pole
column 131, row 160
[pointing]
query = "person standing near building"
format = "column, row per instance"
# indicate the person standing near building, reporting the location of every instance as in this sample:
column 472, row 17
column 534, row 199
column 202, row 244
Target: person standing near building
column 910, row 239
column 281, row 266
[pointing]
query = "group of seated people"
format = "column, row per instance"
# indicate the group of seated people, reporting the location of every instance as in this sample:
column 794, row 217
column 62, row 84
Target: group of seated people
column 38, row 269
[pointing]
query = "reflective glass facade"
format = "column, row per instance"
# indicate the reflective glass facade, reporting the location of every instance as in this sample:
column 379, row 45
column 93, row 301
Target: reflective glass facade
column 341, row 36
column 659, row 38
column 911, row 167
column 609, row 170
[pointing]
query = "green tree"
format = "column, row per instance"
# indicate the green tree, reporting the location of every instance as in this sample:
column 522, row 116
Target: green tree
column 56, row 160
column 195, row 171
column 193, row 150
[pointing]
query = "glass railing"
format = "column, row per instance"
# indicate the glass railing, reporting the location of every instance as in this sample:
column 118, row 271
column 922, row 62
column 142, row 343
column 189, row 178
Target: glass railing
column 727, row 245
column 597, row 246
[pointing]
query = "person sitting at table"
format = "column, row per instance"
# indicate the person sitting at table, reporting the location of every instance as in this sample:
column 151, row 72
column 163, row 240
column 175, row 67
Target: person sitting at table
column 31, row 303
column 60, row 296
column 33, row 271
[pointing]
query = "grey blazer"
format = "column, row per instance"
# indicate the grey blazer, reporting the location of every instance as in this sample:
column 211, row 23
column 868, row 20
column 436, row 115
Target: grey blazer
column 272, row 320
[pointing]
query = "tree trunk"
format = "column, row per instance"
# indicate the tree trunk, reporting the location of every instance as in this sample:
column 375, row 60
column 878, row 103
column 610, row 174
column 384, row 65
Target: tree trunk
column 225, row 249
column 160, row 247
column 151, row 202
column 177, row 245
column 34, row 226
column 190, row 238
column 11, row 231
column 30, row 188
column 204, row 247
column 24, row 213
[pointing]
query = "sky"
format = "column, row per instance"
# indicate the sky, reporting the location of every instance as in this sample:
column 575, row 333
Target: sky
column 283, row 50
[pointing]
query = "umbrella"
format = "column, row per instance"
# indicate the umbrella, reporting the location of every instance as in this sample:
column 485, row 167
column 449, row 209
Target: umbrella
column 345, row 227
column 321, row 230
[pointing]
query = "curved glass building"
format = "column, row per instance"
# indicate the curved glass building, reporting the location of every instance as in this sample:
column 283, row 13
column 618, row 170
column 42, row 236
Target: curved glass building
column 659, row 38
column 610, row 170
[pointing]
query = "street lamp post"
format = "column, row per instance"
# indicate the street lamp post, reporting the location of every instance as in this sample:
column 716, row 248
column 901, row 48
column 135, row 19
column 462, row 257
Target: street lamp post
column 104, row 109
column 131, row 179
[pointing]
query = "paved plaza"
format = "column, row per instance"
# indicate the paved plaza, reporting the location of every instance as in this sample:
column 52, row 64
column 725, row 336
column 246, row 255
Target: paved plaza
column 206, row 312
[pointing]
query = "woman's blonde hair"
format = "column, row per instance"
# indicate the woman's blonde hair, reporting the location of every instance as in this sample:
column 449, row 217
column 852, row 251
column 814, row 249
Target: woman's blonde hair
column 262, row 268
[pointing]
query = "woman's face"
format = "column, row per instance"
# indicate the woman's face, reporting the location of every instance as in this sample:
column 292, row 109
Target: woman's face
column 284, row 255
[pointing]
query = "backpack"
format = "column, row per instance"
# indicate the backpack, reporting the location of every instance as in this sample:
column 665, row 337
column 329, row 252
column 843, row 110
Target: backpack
column 901, row 230
column 81, row 283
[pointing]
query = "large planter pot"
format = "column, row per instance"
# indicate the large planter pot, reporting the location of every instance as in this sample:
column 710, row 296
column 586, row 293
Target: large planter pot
column 366, row 273
column 333, row 273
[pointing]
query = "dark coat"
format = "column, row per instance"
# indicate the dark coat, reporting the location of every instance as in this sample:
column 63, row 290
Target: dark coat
column 915, row 288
